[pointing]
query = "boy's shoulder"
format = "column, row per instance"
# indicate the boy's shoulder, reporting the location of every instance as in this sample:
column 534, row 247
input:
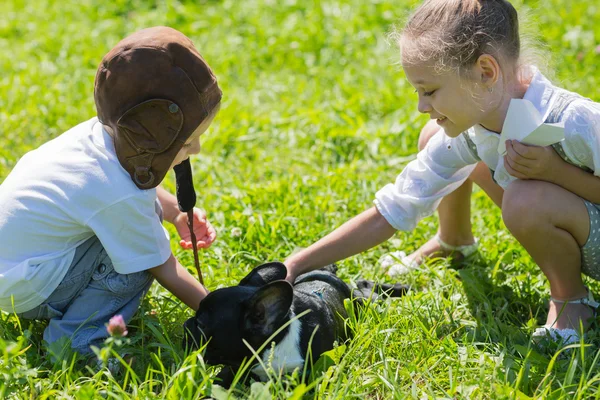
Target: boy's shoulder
column 71, row 138
column 81, row 159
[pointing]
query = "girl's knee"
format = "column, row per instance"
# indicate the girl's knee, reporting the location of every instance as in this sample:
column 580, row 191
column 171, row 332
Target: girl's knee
column 430, row 129
column 523, row 205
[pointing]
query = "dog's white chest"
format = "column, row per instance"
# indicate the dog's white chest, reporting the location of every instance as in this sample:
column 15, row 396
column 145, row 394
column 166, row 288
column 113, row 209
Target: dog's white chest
column 285, row 357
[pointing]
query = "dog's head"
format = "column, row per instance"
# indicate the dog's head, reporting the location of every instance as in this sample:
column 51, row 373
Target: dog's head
column 251, row 311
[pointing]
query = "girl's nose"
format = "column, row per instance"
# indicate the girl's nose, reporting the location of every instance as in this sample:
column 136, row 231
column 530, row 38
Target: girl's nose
column 424, row 107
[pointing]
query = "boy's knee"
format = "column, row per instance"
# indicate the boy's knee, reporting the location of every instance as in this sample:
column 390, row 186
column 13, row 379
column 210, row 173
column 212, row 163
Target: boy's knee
column 523, row 205
column 430, row 129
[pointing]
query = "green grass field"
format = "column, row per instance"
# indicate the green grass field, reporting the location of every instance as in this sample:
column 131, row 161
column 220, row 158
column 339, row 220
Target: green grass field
column 316, row 116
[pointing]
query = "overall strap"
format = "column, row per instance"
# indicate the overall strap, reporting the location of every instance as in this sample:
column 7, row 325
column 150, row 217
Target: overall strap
column 473, row 150
column 563, row 99
column 471, row 145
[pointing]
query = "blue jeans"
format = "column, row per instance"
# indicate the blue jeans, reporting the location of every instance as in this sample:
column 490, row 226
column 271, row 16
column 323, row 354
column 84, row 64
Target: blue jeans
column 91, row 293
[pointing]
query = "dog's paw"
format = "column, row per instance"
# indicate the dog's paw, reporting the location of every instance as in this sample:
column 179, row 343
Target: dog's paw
column 331, row 268
column 367, row 287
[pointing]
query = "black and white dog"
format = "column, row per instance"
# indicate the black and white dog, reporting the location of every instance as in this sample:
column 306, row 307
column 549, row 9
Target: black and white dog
column 261, row 304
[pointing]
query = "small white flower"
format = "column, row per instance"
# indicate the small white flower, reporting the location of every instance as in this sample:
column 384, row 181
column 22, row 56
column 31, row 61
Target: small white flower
column 236, row 232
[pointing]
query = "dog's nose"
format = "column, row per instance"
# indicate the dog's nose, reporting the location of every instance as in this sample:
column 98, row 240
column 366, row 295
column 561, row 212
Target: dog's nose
column 191, row 335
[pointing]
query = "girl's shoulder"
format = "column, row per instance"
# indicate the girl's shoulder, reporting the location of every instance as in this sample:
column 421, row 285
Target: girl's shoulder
column 581, row 120
column 581, row 116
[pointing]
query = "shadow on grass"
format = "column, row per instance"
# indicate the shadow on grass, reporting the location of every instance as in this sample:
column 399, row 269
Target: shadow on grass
column 505, row 319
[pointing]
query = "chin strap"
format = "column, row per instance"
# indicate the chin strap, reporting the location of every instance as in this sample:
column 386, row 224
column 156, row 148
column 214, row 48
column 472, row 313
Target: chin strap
column 190, row 214
column 186, row 200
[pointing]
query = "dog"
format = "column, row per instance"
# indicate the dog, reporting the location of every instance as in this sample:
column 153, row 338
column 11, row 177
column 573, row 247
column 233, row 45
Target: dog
column 261, row 304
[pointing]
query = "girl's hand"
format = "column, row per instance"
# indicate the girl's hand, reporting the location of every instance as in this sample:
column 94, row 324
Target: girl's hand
column 204, row 231
column 531, row 162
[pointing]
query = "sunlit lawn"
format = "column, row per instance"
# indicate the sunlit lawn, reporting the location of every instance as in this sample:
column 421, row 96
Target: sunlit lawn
column 316, row 117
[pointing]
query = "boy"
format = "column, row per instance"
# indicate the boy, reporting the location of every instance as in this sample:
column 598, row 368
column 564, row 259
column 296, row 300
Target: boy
column 80, row 222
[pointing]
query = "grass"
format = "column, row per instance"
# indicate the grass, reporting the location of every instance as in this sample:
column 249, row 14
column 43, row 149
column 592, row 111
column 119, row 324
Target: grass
column 316, row 117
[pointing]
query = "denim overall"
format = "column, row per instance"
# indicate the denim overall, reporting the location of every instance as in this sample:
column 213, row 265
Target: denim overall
column 90, row 294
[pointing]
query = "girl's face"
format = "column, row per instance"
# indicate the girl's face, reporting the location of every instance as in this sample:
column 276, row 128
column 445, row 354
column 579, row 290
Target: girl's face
column 455, row 103
column 192, row 145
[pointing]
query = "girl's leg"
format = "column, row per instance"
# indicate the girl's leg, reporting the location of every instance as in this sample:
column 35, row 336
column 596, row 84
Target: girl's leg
column 455, row 209
column 552, row 224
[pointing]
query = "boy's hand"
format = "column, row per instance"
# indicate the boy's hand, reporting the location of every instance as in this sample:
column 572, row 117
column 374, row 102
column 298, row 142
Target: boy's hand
column 204, row 231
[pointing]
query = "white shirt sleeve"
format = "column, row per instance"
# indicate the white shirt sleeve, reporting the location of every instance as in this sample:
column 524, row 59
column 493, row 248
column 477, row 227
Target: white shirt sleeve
column 132, row 234
column 439, row 169
column 582, row 134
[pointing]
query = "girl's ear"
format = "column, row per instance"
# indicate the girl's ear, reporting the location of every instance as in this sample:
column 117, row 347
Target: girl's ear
column 487, row 70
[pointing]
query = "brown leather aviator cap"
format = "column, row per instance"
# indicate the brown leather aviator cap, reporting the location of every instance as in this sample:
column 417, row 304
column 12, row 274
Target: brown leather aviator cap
column 153, row 89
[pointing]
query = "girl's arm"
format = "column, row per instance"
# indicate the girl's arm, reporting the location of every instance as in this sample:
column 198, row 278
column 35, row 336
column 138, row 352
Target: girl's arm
column 361, row 233
column 542, row 163
column 582, row 133
column 177, row 280
column 439, row 169
column 584, row 184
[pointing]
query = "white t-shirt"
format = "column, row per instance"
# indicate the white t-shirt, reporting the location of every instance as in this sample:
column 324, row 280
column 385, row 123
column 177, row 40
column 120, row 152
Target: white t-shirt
column 62, row 194
column 447, row 162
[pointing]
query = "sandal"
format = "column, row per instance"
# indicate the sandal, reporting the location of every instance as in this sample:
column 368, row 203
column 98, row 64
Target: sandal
column 466, row 250
column 566, row 336
column 397, row 263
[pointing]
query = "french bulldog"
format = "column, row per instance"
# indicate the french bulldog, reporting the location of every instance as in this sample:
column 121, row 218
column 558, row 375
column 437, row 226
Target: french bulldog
column 261, row 304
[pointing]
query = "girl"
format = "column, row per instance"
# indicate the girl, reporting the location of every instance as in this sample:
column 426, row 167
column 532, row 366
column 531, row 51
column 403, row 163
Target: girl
column 463, row 57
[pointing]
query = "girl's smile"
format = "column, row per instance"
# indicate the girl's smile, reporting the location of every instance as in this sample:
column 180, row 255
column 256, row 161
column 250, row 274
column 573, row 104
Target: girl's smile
column 441, row 121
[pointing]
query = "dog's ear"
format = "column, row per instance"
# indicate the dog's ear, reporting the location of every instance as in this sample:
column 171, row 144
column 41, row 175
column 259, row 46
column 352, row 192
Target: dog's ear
column 267, row 307
column 265, row 273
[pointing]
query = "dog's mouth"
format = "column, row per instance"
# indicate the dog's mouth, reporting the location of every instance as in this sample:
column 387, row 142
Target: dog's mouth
column 220, row 360
column 194, row 338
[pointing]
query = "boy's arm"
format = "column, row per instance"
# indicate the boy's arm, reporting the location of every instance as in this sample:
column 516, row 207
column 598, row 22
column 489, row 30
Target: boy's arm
column 177, row 280
column 361, row 233
column 169, row 204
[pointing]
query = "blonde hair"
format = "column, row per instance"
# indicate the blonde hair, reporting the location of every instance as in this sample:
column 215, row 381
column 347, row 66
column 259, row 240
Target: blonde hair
column 453, row 34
